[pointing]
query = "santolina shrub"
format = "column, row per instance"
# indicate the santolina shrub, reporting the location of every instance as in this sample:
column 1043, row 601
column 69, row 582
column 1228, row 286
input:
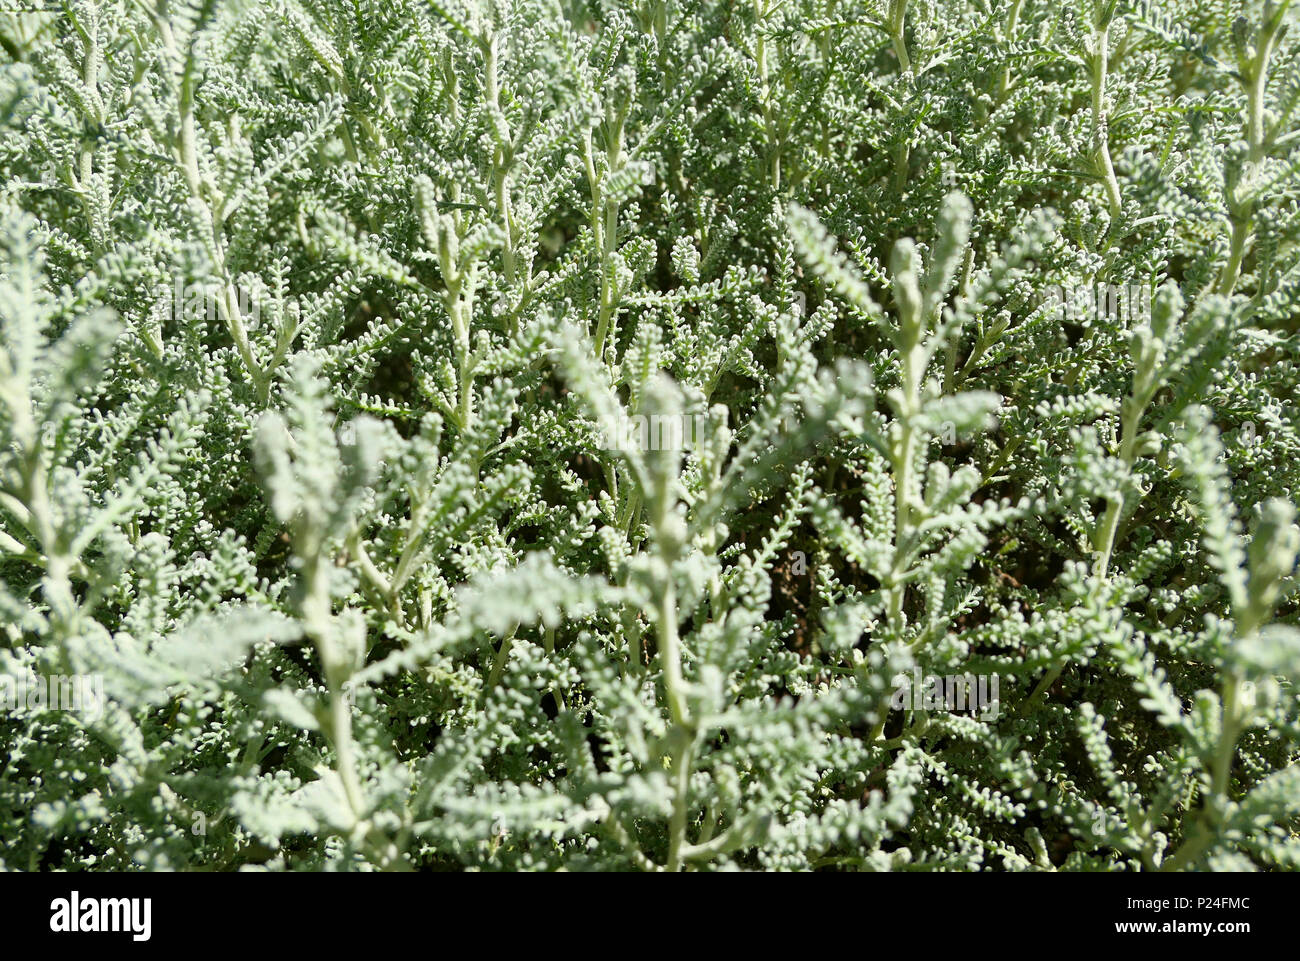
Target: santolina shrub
column 660, row 435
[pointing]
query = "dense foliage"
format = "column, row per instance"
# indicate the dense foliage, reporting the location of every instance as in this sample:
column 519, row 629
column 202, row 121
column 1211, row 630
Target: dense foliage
column 330, row 332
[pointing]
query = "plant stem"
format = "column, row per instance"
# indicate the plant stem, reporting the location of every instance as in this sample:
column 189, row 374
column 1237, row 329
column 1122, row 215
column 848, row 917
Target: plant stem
column 1206, row 827
column 1253, row 73
column 682, row 738
column 897, row 29
column 501, row 163
column 228, row 308
column 902, row 453
column 1013, row 21
column 1100, row 122
column 1105, row 538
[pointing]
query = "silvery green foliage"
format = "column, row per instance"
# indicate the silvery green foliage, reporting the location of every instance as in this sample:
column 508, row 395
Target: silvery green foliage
column 314, row 317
